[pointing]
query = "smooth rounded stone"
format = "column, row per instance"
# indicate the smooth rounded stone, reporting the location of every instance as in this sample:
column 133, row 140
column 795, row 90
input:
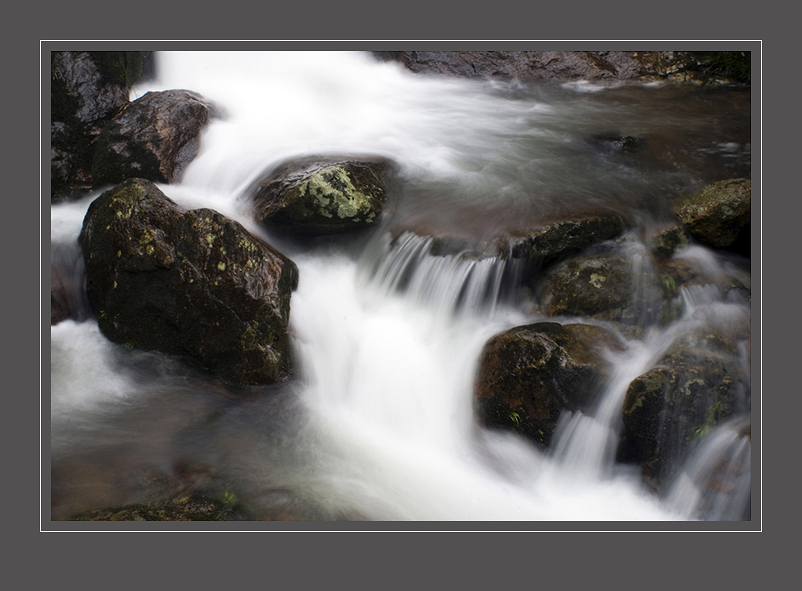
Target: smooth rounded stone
column 530, row 374
column 155, row 138
column 718, row 214
column 189, row 283
column 319, row 196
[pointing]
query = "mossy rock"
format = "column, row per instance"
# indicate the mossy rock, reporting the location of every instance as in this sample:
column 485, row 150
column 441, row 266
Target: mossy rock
column 529, row 375
column 322, row 195
column 189, row 283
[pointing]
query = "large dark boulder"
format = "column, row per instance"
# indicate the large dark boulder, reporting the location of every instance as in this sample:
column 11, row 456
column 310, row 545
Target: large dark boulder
column 322, row 195
column 701, row 381
column 155, row 138
column 530, row 374
column 719, row 213
column 87, row 88
column 189, row 283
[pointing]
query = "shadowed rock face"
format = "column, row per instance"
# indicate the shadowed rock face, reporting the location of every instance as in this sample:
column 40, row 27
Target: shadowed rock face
column 321, row 195
column 189, row 283
column 529, row 374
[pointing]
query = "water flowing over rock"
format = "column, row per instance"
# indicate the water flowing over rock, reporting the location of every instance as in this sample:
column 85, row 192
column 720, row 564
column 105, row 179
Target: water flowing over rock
column 530, row 374
column 698, row 383
column 719, row 214
column 155, row 138
column 86, row 89
column 322, row 195
column 190, row 283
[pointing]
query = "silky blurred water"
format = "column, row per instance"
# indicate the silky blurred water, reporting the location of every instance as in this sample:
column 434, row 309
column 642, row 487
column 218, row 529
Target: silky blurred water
column 378, row 422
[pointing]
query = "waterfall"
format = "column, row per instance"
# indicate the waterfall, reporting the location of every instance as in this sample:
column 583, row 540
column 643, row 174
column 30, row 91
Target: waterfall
column 378, row 421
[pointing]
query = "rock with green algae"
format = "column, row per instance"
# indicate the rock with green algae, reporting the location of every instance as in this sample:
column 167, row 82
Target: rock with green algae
column 318, row 196
column 530, row 374
column 188, row 283
column 719, row 213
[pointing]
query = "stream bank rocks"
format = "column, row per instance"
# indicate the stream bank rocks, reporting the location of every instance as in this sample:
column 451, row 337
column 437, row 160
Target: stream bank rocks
column 529, row 375
column 188, row 283
column 693, row 67
column 87, row 88
column 318, row 196
column 98, row 137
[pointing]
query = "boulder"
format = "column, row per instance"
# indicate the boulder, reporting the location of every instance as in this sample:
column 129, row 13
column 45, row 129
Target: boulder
column 529, row 374
column 719, row 213
column 155, row 138
column 189, row 283
column 701, row 381
column 318, row 196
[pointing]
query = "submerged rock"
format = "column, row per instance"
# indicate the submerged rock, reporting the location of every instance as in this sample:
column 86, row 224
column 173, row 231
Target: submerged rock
column 718, row 214
column 155, row 138
column 322, row 195
column 189, row 283
column 530, row 374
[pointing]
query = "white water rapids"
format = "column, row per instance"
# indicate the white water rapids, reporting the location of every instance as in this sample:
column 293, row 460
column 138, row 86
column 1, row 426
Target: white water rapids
column 378, row 422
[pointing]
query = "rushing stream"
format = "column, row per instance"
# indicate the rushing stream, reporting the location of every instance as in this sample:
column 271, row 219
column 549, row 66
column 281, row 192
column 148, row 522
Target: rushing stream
column 378, row 422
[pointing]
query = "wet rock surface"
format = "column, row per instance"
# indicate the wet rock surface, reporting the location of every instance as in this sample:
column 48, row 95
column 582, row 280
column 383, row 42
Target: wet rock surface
column 190, row 283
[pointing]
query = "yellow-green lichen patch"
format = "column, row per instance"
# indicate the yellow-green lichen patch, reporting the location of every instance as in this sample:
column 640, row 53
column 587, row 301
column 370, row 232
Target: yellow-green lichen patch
column 209, row 239
column 221, row 266
column 597, row 280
